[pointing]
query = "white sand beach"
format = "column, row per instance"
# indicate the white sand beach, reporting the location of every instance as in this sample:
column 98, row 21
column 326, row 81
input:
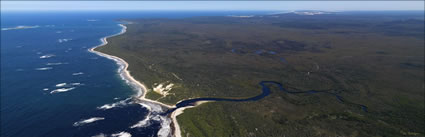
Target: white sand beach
column 125, row 74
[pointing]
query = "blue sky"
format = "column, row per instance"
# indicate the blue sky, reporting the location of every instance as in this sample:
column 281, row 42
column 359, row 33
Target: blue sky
column 212, row 5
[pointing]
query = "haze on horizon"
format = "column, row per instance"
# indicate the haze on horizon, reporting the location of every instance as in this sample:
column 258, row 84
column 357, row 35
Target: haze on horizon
column 210, row 5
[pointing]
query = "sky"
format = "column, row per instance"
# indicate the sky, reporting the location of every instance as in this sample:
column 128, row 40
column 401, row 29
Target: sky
column 211, row 5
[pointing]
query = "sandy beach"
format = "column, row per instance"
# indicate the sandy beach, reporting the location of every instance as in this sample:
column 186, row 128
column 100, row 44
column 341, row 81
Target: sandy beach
column 125, row 74
column 177, row 132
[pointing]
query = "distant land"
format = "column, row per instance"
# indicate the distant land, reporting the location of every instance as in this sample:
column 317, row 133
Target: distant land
column 344, row 73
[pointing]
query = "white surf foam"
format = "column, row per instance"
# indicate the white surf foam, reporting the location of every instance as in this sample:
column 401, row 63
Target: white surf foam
column 60, row 85
column 152, row 107
column 76, row 84
column 121, row 134
column 61, row 90
column 63, row 40
column 20, row 27
column 165, row 129
column 154, row 110
column 77, row 73
column 47, row 56
column 45, row 68
column 45, row 89
column 54, row 64
column 92, row 20
column 143, row 123
column 68, row 85
column 116, row 104
column 87, row 121
column 100, row 135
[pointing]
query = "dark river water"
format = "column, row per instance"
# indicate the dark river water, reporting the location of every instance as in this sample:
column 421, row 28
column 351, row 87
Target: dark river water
column 266, row 91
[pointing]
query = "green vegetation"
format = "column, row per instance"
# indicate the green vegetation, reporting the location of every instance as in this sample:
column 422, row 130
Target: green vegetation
column 376, row 60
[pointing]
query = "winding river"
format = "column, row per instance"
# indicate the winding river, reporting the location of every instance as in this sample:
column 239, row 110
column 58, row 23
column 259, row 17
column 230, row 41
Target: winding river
column 266, row 92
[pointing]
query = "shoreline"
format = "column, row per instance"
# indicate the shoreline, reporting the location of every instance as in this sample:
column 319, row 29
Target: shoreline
column 123, row 69
column 141, row 89
column 131, row 81
column 177, row 112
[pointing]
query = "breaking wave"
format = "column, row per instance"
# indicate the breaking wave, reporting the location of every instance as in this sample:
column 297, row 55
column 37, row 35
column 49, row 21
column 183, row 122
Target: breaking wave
column 143, row 123
column 87, row 121
column 68, row 85
column 47, row 56
column 20, row 27
column 61, row 90
column 116, row 104
column 63, row 40
column 60, row 84
column 54, row 64
column 154, row 115
column 77, row 73
column 45, row 68
column 121, row 134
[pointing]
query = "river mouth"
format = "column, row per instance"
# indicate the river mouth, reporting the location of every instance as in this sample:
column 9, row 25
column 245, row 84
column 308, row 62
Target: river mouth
column 265, row 92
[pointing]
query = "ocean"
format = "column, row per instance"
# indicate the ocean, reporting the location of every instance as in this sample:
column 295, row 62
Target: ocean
column 51, row 85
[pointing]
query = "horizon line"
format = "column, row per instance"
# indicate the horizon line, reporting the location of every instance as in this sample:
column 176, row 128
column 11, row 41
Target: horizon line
column 46, row 10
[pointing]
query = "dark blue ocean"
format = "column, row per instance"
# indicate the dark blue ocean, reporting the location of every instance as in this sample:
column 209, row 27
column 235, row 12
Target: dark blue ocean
column 51, row 86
